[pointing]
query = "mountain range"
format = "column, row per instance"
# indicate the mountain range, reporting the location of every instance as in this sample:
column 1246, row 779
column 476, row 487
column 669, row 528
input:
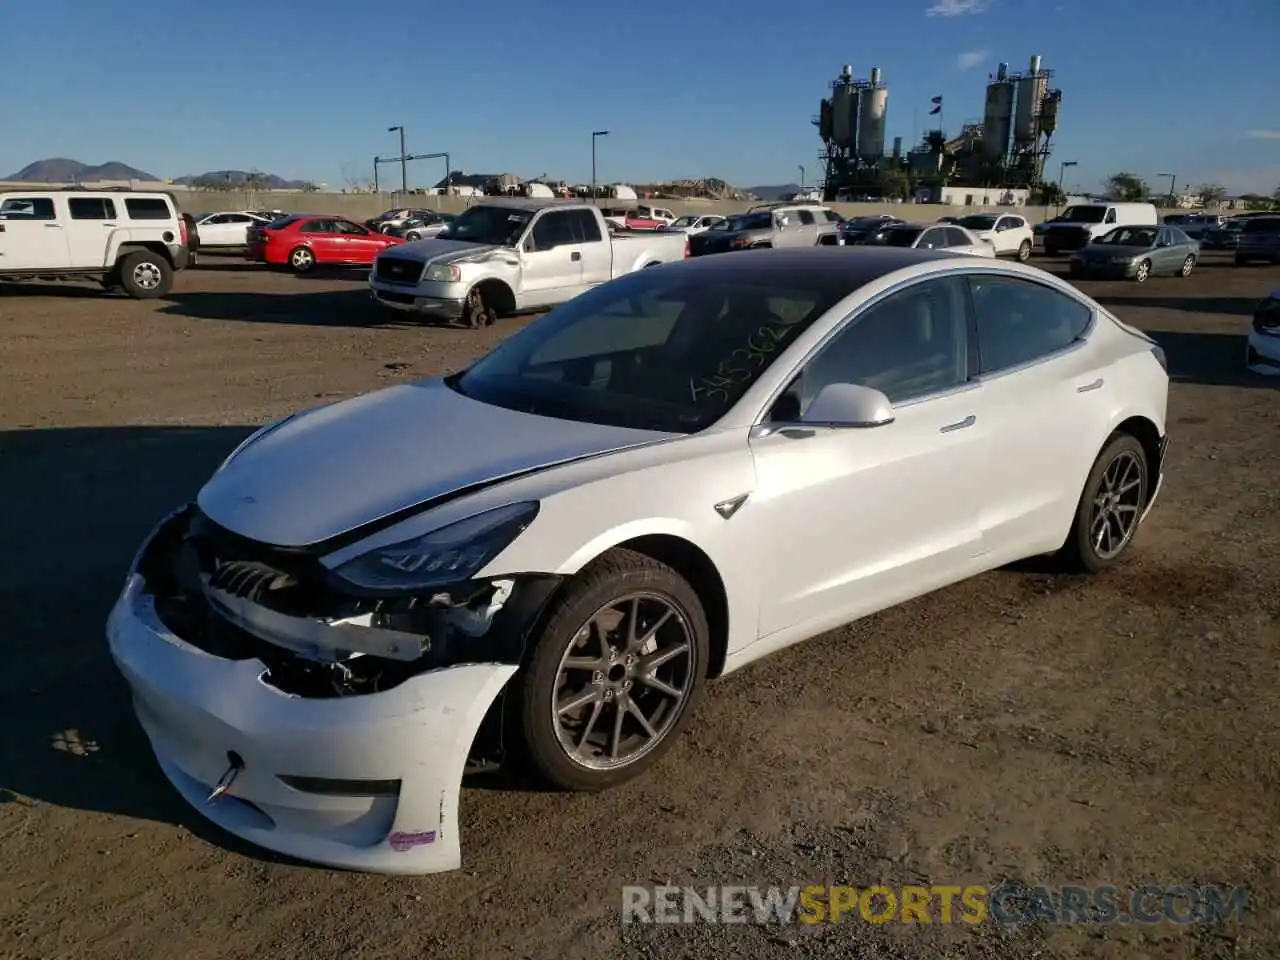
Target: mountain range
column 62, row 170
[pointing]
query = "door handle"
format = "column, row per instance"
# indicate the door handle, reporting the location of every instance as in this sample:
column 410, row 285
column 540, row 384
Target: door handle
column 575, row 256
column 108, row 224
column 1097, row 384
column 53, row 226
column 968, row 421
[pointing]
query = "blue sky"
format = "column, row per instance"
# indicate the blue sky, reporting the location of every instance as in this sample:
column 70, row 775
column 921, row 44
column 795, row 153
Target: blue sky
column 687, row 89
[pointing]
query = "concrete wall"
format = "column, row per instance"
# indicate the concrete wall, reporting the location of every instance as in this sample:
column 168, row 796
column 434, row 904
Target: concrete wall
column 363, row 206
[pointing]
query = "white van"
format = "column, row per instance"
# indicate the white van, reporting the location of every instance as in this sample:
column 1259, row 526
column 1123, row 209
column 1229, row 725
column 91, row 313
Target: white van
column 1081, row 223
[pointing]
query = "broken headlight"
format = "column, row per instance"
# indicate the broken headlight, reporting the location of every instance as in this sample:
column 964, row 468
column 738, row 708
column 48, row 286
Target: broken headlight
column 452, row 553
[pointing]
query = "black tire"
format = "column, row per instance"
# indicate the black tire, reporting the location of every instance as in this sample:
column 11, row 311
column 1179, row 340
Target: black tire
column 301, row 259
column 1188, row 265
column 145, row 275
column 614, row 575
column 1024, row 251
column 478, row 312
column 1079, row 552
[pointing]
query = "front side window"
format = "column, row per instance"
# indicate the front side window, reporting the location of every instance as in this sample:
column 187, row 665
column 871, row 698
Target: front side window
column 911, row 344
column 27, row 208
column 655, row 352
column 1020, row 321
column 552, row 230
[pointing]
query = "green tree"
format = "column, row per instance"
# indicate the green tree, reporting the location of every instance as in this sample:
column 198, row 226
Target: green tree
column 1125, row 186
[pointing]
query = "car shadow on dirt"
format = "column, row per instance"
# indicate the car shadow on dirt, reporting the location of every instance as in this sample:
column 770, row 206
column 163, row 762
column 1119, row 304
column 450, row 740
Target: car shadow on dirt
column 324, row 308
column 89, row 497
column 1210, row 359
column 1230, row 306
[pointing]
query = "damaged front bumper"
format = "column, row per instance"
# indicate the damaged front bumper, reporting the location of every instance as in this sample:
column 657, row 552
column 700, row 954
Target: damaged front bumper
column 332, row 739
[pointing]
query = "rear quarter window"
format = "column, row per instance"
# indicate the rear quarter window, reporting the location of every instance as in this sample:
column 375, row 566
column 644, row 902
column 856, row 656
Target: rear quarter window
column 148, row 208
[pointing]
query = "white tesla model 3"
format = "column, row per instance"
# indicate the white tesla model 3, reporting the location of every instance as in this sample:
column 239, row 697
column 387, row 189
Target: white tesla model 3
column 663, row 479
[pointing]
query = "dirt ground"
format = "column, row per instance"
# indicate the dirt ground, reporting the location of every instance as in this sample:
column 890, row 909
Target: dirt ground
column 1025, row 726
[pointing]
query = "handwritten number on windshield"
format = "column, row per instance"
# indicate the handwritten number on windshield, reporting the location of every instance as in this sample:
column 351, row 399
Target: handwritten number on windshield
column 738, row 367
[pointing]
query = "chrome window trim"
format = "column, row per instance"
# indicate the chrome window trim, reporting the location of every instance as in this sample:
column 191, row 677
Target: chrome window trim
column 964, row 270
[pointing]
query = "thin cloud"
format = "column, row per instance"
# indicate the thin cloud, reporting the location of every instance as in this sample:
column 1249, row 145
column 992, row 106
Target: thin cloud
column 1263, row 134
column 970, row 59
column 955, row 8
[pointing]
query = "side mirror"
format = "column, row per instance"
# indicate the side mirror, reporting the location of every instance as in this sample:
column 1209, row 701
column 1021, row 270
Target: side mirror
column 849, row 405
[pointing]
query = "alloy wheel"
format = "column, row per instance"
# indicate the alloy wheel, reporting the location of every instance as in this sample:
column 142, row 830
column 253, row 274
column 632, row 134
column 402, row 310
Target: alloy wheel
column 1117, row 506
column 1187, row 266
column 623, row 681
column 146, row 276
column 1144, row 270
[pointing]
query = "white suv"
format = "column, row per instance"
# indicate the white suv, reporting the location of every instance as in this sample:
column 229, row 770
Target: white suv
column 127, row 240
column 1009, row 233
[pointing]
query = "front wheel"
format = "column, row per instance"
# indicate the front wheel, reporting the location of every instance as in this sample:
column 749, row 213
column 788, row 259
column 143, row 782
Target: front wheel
column 478, row 312
column 1024, row 251
column 301, row 259
column 1110, row 506
column 614, row 674
column 411, row 237
column 1143, row 271
column 1187, row 266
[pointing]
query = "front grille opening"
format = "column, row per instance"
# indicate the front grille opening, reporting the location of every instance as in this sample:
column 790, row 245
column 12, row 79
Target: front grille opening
column 325, row 787
column 398, row 270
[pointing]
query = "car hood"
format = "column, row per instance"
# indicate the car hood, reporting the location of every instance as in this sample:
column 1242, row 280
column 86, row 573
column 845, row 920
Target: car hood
column 443, row 250
column 336, row 468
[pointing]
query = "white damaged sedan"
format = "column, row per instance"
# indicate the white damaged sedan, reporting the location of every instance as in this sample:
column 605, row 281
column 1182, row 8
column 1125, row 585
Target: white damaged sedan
column 545, row 555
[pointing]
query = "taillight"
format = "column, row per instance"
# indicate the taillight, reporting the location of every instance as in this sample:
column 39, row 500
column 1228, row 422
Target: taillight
column 182, row 230
column 1158, row 353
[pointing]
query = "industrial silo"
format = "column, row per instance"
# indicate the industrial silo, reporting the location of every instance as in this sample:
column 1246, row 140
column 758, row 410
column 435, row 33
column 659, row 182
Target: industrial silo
column 1031, row 92
column 1049, row 109
column 844, row 109
column 873, row 102
column 997, row 116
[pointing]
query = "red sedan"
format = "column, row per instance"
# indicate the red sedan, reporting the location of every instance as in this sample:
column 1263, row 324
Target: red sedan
column 302, row 240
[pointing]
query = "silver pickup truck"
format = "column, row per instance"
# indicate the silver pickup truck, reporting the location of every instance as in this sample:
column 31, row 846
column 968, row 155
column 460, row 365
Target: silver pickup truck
column 508, row 256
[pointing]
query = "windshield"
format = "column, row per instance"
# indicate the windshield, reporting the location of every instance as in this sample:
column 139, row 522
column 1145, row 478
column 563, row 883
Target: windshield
column 1083, row 215
column 684, row 222
column 653, row 351
column 978, row 221
column 762, row 220
column 1128, row 237
column 901, row 236
column 500, row 226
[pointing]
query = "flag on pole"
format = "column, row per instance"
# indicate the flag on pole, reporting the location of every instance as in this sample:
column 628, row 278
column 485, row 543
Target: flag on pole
column 937, row 106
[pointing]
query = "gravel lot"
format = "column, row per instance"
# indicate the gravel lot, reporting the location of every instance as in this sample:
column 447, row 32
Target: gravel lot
column 1024, row 726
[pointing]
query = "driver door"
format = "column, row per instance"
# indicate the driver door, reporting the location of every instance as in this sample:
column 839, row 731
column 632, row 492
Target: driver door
column 550, row 260
column 853, row 520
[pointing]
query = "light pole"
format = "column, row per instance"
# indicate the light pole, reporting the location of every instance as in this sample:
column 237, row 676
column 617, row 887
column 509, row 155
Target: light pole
column 404, row 160
column 1172, row 181
column 1062, row 170
column 801, row 166
column 594, row 135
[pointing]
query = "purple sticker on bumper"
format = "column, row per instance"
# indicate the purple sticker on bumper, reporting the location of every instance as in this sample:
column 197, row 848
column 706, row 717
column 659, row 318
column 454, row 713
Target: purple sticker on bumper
column 401, row 841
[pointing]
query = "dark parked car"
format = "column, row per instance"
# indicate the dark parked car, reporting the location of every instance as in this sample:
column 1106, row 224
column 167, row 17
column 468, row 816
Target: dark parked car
column 858, row 230
column 1194, row 225
column 1223, row 237
column 1259, row 240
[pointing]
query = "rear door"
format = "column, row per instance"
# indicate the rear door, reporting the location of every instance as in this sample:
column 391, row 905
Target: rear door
column 90, row 223
column 935, row 238
column 1046, row 404
column 597, row 248
column 33, row 234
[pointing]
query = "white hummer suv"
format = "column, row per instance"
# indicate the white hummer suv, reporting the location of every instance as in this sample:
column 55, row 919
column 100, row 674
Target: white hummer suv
column 127, row 240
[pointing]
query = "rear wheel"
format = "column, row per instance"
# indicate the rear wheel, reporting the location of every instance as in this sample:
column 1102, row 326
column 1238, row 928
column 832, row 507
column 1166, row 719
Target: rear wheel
column 1110, row 506
column 145, row 275
column 301, row 259
column 614, row 674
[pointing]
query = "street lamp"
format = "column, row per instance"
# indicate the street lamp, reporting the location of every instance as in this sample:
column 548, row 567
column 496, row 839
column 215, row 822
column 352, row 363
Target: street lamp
column 801, row 166
column 1172, row 181
column 404, row 160
column 1062, row 170
column 594, row 135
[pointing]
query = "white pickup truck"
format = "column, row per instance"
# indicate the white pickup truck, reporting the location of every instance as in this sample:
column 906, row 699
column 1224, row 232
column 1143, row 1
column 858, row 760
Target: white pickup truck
column 510, row 255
